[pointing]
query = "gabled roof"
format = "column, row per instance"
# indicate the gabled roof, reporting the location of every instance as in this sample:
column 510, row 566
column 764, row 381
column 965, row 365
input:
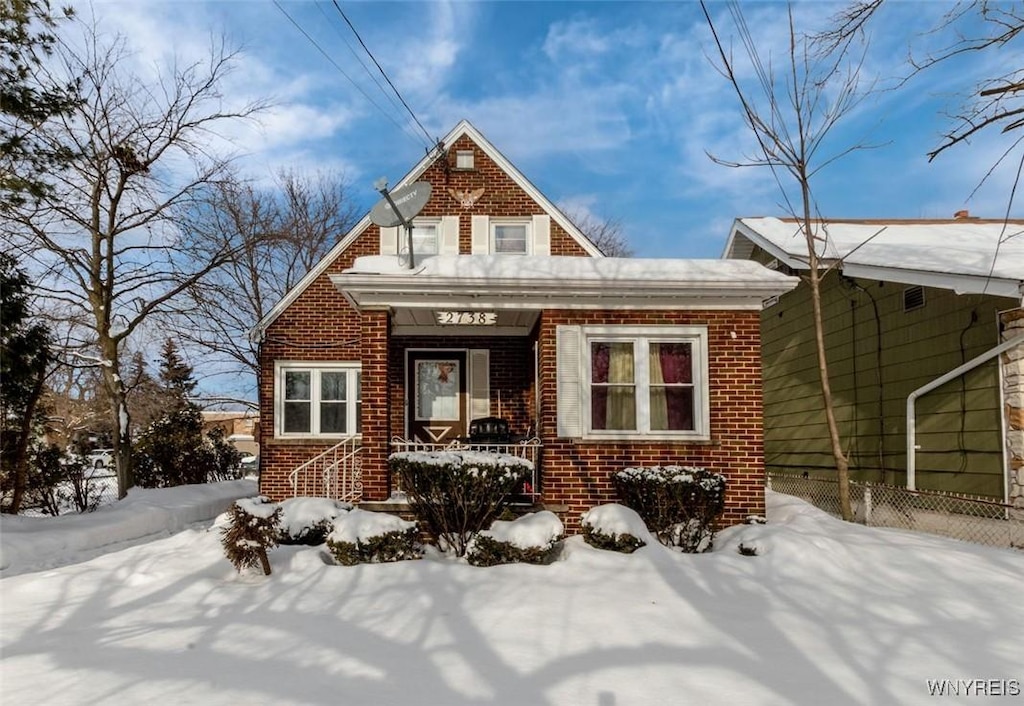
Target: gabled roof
column 966, row 255
column 464, row 128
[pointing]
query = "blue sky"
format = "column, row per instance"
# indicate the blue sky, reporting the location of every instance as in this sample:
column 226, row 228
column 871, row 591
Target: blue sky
column 608, row 107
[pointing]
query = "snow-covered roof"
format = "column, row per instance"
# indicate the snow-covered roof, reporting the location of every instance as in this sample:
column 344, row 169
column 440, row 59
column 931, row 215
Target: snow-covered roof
column 965, row 255
column 540, row 282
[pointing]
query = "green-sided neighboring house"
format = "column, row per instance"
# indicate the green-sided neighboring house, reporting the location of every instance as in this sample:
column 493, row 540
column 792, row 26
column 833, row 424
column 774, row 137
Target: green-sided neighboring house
column 905, row 303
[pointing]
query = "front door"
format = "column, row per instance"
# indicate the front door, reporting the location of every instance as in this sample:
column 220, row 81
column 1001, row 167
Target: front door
column 437, row 391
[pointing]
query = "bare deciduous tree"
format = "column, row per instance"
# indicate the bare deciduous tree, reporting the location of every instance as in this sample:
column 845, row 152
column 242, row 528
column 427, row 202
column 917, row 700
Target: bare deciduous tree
column 113, row 237
column 996, row 102
column 791, row 113
column 289, row 229
column 606, row 234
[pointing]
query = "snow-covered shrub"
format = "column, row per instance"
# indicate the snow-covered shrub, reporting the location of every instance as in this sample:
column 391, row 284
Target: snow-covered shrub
column 679, row 504
column 531, row 539
column 456, row 494
column 363, row 537
column 309, row 520
column 614, row 527
column 251, row 530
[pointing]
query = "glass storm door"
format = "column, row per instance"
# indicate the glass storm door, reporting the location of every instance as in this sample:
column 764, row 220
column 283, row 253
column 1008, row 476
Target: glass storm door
column 436, row 385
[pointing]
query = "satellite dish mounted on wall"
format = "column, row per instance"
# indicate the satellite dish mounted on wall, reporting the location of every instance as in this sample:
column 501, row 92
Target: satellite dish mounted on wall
column 399, row 207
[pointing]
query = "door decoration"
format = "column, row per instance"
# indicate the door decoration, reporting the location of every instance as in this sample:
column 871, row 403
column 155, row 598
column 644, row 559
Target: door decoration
column 437, row 389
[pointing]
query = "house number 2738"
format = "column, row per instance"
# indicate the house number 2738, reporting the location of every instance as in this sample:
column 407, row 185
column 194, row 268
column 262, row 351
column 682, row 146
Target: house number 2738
column 466, row 318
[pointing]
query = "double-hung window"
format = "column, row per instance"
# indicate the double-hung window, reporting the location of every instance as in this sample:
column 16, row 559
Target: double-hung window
column 643, row 382
column 318, row 399
column 424, row 238
column 510, row 237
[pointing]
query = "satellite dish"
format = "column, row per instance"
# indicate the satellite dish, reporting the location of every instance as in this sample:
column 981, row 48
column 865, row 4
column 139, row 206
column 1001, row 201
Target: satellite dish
column 409, row 200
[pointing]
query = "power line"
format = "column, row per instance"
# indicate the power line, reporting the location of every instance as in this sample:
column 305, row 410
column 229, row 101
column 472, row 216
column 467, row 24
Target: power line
column 430, row 140
column 366, row 69
column 340, row 70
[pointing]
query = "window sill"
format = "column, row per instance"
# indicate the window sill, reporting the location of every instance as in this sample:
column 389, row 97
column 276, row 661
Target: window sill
column 308, row 440
column 645, row 439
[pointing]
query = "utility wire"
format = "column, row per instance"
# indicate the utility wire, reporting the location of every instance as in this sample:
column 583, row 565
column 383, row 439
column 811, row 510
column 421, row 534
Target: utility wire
column 430, row 140
column 336, row 66
column 366, row 69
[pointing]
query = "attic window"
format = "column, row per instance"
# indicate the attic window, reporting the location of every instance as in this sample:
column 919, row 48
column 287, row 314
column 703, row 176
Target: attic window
column 464, row 159
column 913, row 298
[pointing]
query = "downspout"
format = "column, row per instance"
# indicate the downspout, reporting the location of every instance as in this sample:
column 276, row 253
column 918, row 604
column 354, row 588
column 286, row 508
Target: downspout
column 938, row 382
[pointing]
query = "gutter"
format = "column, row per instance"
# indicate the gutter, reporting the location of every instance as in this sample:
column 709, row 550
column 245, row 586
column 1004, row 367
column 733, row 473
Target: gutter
column 938, row 382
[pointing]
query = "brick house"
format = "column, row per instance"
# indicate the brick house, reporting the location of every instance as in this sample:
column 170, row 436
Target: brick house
column 592, row 364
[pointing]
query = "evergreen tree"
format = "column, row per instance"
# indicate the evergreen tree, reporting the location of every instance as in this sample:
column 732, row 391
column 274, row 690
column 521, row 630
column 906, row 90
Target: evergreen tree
column 175, row 377
column 24, row 358
column 172, row 450
column 26, row 102
column 144, row 393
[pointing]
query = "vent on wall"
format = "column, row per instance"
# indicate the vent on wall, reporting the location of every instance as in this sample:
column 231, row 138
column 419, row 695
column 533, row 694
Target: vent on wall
column 913, row 298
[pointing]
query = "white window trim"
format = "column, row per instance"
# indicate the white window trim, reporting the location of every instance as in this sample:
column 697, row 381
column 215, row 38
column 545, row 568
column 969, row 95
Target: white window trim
column 315, row 368
column 697, row 336
column 526, row 223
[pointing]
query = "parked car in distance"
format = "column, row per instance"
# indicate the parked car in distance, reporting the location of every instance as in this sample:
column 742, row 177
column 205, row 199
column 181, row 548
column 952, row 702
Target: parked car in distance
column 249, row 465
column 100, row 458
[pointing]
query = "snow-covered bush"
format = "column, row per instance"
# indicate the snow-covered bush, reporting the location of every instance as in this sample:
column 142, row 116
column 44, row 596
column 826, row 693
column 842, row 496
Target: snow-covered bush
column 531, row 539
column 251, row 530
column 363, row 537
column 309, row 520
column 614, row 527
column 679, row 504
column 456, row 494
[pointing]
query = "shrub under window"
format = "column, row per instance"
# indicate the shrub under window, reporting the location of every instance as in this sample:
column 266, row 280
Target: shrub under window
column 679, row 504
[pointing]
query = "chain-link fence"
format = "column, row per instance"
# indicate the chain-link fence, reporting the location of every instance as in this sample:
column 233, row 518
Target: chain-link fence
column 84, row 493
column 970, row 518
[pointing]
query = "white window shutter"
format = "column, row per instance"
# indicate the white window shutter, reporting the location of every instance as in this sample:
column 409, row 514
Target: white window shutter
column 479, row 383
column 542, row 235
column 569, row 381
column 449, row 236
column 481, row 235
column 388, row 241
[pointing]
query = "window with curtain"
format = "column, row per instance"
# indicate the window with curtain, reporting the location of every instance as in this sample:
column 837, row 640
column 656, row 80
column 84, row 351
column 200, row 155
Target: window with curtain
column 509, row 238
column 318, row 399
column 646, row 385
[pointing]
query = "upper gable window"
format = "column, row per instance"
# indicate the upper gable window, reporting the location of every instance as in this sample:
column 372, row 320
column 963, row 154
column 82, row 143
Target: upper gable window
column 510, row 237
column 464, row 159
column 424, row 238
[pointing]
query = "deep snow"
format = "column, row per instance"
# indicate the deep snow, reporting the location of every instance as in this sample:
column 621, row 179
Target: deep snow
column 828, row 613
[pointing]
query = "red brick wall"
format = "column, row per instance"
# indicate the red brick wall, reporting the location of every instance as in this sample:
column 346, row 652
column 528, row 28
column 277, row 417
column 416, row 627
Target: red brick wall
column 320, row 326
column 501, row 197
column 376, row 429
column 578, row 473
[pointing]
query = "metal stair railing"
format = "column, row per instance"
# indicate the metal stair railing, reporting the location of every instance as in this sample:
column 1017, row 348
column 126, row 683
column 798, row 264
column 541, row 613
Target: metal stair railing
column 336, row 473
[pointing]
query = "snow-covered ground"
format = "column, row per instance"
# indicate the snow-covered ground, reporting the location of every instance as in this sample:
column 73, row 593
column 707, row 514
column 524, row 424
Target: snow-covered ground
column 827, row 613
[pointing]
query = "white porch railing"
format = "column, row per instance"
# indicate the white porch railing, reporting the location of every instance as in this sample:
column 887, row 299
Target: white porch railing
column 336, row 473
column 527, row 448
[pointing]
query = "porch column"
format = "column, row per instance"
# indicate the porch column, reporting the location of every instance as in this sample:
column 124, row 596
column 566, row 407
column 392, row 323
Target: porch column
column 376, row 427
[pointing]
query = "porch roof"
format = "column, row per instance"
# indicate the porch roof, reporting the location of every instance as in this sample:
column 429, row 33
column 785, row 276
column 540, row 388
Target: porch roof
column 545, row 282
